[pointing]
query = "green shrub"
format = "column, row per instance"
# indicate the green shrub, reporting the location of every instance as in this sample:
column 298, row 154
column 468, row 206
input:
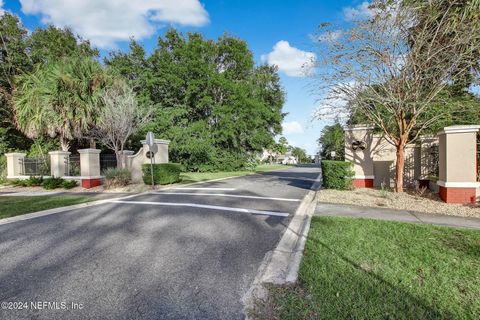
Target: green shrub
column 251, row 164
column 163, row 173
column 117, row 177
column 52, row 183
column 69, row 184
column 18, row 182
column 337, row 174
column 3, row 169
column 33, row 181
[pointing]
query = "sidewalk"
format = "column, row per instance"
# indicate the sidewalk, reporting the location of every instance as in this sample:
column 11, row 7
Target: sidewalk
column 328, row 209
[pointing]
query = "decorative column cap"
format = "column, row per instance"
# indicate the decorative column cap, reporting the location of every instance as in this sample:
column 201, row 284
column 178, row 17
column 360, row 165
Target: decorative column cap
column 89, row 151
column 459, row 129
column 157, row 141
column 11, row 154
column 63, row 153
column 358, row 127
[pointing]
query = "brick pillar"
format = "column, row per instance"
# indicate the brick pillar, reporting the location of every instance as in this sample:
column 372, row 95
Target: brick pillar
column 457, row 179
column 357, row 137
column 58, row 163
column 14, row 164
column 90, row 168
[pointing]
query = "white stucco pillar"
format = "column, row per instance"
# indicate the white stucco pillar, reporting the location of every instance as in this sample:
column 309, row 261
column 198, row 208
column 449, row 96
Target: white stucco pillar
column 89, row 162
column 14, row 164
column 457, row 179
column 358, row 150
column 126, row 160
column 90, row 168
column 58, row 163
column 161, row 156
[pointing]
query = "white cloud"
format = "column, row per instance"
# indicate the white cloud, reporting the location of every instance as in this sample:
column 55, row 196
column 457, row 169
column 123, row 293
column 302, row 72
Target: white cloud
column 1, row 8
column 360, row 12
column 108, row 21
column 294, row 62
column 292, row 127
column 328, row 36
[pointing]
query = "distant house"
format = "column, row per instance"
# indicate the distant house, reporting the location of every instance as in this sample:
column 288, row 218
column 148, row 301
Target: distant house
column 274, row 157
column 287, row 158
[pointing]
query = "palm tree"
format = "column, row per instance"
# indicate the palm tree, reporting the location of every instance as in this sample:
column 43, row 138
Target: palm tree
column 59, row 99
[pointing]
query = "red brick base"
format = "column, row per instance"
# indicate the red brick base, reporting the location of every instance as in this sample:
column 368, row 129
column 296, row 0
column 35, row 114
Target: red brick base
column 91, row 183
column 363, row 183
column 458, row 195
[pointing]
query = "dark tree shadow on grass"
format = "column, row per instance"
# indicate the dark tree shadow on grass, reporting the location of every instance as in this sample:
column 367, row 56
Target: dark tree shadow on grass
column 367, row 295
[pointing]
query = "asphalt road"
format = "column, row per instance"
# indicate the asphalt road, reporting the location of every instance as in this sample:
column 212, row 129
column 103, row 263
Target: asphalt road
column 185, row 253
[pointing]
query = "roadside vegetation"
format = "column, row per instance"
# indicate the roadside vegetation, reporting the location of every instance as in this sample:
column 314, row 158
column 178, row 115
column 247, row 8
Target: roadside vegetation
column 208, row 97
column 408, row 68
column 11, row 206
column 368, row 269
column 189, row 177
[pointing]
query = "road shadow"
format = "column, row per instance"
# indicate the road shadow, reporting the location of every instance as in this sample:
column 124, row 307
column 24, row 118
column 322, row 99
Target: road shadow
column 122, row 263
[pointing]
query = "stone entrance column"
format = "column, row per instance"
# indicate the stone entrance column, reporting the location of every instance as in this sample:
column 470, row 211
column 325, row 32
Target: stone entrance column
column 14, row 164
column 161, row 156
column 58, row 163
column 358, row 150
column 457, row 179
column 90, row 168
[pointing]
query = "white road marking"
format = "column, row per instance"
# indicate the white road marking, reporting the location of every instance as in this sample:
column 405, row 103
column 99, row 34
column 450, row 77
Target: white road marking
column 227, row 195
column 206, row 188
column 205, row 206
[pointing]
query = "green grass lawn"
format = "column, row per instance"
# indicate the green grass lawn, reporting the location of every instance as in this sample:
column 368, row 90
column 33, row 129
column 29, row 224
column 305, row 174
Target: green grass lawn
column 17, row 205
column 189, row 177
column 370, row 269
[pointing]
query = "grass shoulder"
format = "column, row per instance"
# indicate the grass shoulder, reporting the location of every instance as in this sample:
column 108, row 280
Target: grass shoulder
column 11, row 206
column 368, row 269
column 190, row 177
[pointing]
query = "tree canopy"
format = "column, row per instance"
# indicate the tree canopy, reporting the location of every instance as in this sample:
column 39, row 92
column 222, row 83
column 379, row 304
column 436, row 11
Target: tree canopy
column 210, row 99
column 331, row 139
column 401, row 68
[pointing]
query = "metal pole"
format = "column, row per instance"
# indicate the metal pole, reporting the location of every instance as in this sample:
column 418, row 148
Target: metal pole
column 151, row 169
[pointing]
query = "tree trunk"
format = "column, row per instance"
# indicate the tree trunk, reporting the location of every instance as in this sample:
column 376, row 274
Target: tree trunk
column 400, row 166
column 64, row 143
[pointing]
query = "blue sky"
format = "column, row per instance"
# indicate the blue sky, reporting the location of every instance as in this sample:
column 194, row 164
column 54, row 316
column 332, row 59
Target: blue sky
column 277, row 32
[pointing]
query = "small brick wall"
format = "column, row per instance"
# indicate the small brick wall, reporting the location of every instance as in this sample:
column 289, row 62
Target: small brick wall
column 363, row 183
column 458, row 195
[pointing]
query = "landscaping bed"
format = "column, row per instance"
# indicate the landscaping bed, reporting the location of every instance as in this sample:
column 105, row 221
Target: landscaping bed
column 412, row 200
column 368, row 269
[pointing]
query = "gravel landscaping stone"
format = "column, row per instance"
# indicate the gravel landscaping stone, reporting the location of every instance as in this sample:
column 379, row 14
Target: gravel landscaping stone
column 412, row 200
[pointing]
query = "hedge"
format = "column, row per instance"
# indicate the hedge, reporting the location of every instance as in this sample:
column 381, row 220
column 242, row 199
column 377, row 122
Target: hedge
column 163, row 173
column 337, row 174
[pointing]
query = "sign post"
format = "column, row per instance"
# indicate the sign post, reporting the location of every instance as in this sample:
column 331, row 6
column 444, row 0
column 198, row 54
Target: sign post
column 150, row 141
column 333, row 154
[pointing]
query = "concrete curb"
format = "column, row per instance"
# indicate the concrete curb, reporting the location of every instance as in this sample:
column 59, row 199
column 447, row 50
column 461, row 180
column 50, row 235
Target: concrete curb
column 281, row 266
